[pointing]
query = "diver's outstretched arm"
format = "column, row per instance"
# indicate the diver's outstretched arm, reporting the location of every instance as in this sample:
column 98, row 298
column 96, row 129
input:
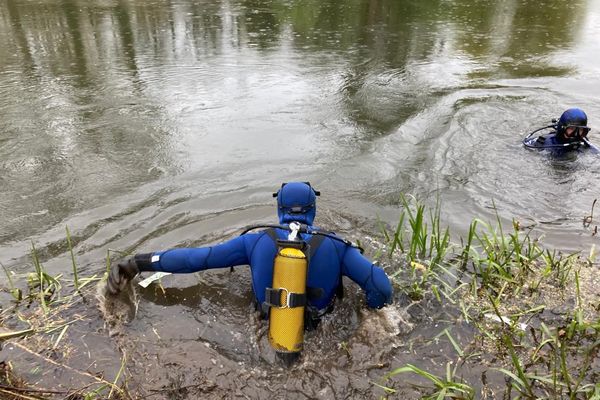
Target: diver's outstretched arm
column 370, row 277
column 227, row 254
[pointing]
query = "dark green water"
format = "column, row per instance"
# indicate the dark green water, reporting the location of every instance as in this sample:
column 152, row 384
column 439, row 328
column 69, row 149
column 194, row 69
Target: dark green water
column 143, row 125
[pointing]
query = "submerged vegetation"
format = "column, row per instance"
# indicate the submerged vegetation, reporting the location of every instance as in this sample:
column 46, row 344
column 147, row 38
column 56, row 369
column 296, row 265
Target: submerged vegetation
column 41, row 317
column 532, row 315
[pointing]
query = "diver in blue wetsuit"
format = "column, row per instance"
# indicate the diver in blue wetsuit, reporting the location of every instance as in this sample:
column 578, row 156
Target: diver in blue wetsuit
column 329, row 258
column 569, row 133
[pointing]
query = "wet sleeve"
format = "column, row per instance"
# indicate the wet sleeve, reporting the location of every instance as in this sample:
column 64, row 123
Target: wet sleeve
column 371, row 278
column 227, row 254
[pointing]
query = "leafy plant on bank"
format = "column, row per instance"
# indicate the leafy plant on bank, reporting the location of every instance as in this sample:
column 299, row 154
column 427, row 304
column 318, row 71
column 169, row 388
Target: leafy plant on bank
column 495, row 264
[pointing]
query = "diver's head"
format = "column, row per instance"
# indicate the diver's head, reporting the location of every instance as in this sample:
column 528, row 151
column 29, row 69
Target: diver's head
column 296, row 201
column 572, row 125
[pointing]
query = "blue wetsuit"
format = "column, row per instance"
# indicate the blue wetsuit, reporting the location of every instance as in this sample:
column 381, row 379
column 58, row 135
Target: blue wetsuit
column 329, row 256
column 331, row 260
column 553, row 143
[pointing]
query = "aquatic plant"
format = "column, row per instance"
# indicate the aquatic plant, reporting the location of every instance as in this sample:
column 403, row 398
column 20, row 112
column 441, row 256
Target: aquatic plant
column 445, row 387
column 500, row 281
column 47, row 285
column 15, row 292
column 423, row 245
column 75, row 276
column 49, row 330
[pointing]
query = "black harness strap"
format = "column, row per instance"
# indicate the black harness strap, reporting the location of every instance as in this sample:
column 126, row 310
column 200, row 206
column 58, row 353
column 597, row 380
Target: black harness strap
column 273, row 296
column 272, row 234
column 313, row 245
column 293, row 300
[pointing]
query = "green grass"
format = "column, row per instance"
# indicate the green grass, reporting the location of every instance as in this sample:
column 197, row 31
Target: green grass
column 48, row 287
column 506, row 274
column 444, row 387
column 497, row 280
column 74, row 264
column 44, row 301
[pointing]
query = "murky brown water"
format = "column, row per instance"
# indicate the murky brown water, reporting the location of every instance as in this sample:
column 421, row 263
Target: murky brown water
column 144, row 125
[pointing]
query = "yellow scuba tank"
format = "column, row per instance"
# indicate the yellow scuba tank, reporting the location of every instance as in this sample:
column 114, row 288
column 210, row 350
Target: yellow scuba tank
column 287, row 297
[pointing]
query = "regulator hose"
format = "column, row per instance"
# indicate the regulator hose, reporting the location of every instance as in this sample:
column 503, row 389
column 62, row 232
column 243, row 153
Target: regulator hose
column 305, row 229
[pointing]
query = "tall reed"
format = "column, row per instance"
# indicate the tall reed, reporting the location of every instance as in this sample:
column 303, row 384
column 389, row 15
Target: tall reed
column 70, row 245
column 497, row 269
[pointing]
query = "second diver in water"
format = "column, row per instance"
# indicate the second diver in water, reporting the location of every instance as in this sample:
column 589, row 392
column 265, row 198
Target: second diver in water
column 569, row 133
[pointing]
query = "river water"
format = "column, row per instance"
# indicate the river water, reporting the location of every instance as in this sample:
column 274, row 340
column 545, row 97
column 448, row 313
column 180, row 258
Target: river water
column 145, row 125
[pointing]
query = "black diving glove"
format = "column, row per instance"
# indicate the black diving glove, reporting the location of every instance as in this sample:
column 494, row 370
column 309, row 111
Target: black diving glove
column 120, row 274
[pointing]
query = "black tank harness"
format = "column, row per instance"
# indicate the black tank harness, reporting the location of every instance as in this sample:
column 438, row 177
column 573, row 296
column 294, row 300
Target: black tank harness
column 312, row 314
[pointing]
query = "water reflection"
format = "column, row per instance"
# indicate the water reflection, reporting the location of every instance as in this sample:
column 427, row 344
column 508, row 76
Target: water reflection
column 101, row 98
column 393, row 31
